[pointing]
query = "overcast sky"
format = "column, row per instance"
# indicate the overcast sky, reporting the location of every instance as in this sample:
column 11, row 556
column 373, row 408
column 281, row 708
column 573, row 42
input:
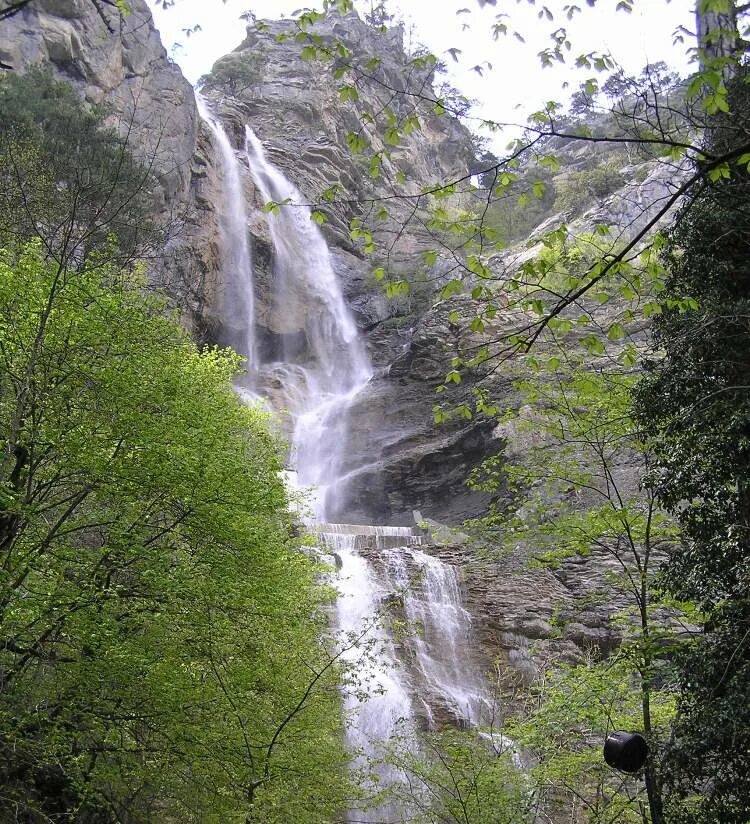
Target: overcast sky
column 513, row 86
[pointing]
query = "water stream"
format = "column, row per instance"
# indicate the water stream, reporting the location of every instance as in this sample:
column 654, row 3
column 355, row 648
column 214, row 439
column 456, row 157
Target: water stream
column 237, row 267
column 385, row 578
column 321, row 381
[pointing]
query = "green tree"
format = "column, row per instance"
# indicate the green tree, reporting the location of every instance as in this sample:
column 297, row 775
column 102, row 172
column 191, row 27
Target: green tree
column 693, row 403
column 460, row 777
column 69, row 180
column 161, row 654
column 573, row 491
column 567, row 716
column 464, row 239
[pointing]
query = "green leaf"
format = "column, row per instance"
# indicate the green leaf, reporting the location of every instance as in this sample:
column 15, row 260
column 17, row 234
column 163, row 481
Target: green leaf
column 560, row 325
column 629, row 357
column 356, row 142
column 593, row 344
column 411, row 124
column 273, row 207
column 348, row 93
column 318, row 216
column 392, row 136
column 719, row 172
column 453, row 287
column 652, row 308
column 329, row 194
column 375, row 164
column 616, row 332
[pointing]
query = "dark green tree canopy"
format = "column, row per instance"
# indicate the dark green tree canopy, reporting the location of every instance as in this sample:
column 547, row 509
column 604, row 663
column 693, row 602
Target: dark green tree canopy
column 68, row 178
column 694, row 404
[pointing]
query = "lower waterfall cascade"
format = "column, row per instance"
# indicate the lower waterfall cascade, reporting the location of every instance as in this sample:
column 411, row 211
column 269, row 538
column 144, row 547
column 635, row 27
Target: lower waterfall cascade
column 421, row 678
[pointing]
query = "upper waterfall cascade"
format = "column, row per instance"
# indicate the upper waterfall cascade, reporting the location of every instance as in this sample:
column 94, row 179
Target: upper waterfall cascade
column 321, row 383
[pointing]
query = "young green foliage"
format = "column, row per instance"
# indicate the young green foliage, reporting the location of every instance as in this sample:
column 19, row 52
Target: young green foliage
column 162, row 651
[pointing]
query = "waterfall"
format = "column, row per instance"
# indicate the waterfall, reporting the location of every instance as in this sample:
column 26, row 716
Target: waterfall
column 439, row 637
column 424, row 675
column 237, row 268
column 321, row 382
column 384, row 577
column 376, row 696
column 320, row 385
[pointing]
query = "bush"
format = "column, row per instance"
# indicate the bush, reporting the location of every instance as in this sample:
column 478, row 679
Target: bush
column 577, row 191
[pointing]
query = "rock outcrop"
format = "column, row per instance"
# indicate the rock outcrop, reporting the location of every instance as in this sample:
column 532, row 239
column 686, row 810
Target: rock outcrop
column 117, row 61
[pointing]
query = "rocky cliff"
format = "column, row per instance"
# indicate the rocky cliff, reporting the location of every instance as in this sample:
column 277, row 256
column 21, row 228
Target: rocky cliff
column 397, row 458
column 296, row 109
column 117, row 61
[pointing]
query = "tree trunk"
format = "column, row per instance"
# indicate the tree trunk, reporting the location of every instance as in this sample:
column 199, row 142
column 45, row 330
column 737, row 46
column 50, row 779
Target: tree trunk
column 718, row 37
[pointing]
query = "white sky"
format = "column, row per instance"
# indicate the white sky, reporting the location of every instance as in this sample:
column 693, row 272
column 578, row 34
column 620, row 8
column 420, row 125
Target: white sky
column 516, row 84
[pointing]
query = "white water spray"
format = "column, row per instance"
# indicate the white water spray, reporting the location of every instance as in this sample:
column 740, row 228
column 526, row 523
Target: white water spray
column 440, row 637
column 239, row 291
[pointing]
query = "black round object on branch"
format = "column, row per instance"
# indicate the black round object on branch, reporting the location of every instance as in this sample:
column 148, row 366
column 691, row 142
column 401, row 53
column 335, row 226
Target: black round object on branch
column 625, row 751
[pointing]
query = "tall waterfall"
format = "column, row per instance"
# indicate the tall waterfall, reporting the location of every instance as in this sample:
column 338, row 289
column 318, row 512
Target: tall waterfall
column 239, row 291
column 395, row 683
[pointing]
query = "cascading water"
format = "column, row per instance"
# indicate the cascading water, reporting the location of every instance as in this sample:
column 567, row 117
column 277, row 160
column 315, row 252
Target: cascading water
column 427, row 675
column 321, row 383
column 239, row 291
column 440, row 635
column 376, row 699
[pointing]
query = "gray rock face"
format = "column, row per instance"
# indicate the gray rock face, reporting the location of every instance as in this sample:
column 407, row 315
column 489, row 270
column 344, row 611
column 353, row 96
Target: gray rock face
column 419, row 465
column 295, row 107
column 119, row 61
column 526, row 619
